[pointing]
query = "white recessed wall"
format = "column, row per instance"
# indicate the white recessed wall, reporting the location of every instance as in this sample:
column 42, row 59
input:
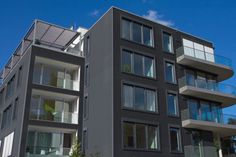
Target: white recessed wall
column 8, row 144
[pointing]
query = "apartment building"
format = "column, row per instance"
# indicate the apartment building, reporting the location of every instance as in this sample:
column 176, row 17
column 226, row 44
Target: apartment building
column 42, row 93
column 151, row 90
column 127, row 87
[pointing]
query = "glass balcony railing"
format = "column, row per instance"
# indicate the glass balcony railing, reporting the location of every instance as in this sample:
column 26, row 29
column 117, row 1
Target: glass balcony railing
column 60, row 83
column 62, row 117
column 200, row 151
column 208, row 85
column 215, row 117
column 47, row 151
column 217, row 59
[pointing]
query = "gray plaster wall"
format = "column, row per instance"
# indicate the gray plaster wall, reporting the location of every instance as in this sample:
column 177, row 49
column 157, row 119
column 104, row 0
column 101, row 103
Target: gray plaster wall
column 99, row 122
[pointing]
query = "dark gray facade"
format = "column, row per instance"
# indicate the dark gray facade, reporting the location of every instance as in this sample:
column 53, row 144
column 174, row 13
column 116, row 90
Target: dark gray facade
column 106, row 113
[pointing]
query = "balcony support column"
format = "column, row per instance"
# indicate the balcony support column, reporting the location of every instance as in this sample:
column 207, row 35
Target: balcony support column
column 220, row 147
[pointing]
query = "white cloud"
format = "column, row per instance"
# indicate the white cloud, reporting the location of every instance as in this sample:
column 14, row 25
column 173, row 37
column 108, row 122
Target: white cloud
column 95, row 12
column 154, row 16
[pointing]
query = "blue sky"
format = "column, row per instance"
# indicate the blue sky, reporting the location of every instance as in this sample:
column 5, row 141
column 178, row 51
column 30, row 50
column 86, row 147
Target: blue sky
column 214, row 20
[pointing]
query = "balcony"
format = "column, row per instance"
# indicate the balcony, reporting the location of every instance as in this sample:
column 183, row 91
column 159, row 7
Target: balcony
column 57, row 74
column 211, row 63
column 49, row 144
column 43, row 34
column 220, row 123
column 48, row 106
column 47, row 152
column 200, row 151
column 217, row 92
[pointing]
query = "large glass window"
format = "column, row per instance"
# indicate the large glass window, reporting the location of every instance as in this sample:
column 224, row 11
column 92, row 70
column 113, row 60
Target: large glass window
column 140, row 136
column 149, row 67
column 205, row 111
column 138, row 64
column 193, row 109
column 139, row 98
column 175, row 139
column 170, row 72
column 153, row 137
column 128, row 96
column 190, row 78
column 137, row 32
column 147, row 36
column 151, row 100
column 126, row 61
column 126, row 26
column 128, row 135
column 167, row 42
column 172, row 104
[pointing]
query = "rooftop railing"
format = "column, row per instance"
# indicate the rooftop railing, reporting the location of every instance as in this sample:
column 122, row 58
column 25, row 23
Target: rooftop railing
column 43, row 34
column 199, row 54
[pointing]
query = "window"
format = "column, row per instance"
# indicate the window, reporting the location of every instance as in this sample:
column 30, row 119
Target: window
column 86, row 79
column 139, row 98
column 149, row 67
column 147, row 36
column 170, row 72
column 140, row 136
column 126, row 26
column 10, row 87
column 19, row 77
column 15, row 108
column 7, row 116
column 138, row 64
column 167, row 42
column 128, row 133
column 172, row 103
column 126, row 62
column 128, row 96
column 137, row 32
column 8, row 144
column 153, row 141
column 175, row 139
column 85, row 108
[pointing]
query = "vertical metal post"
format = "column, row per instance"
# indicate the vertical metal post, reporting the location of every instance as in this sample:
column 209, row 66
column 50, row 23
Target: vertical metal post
column 34, row 31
